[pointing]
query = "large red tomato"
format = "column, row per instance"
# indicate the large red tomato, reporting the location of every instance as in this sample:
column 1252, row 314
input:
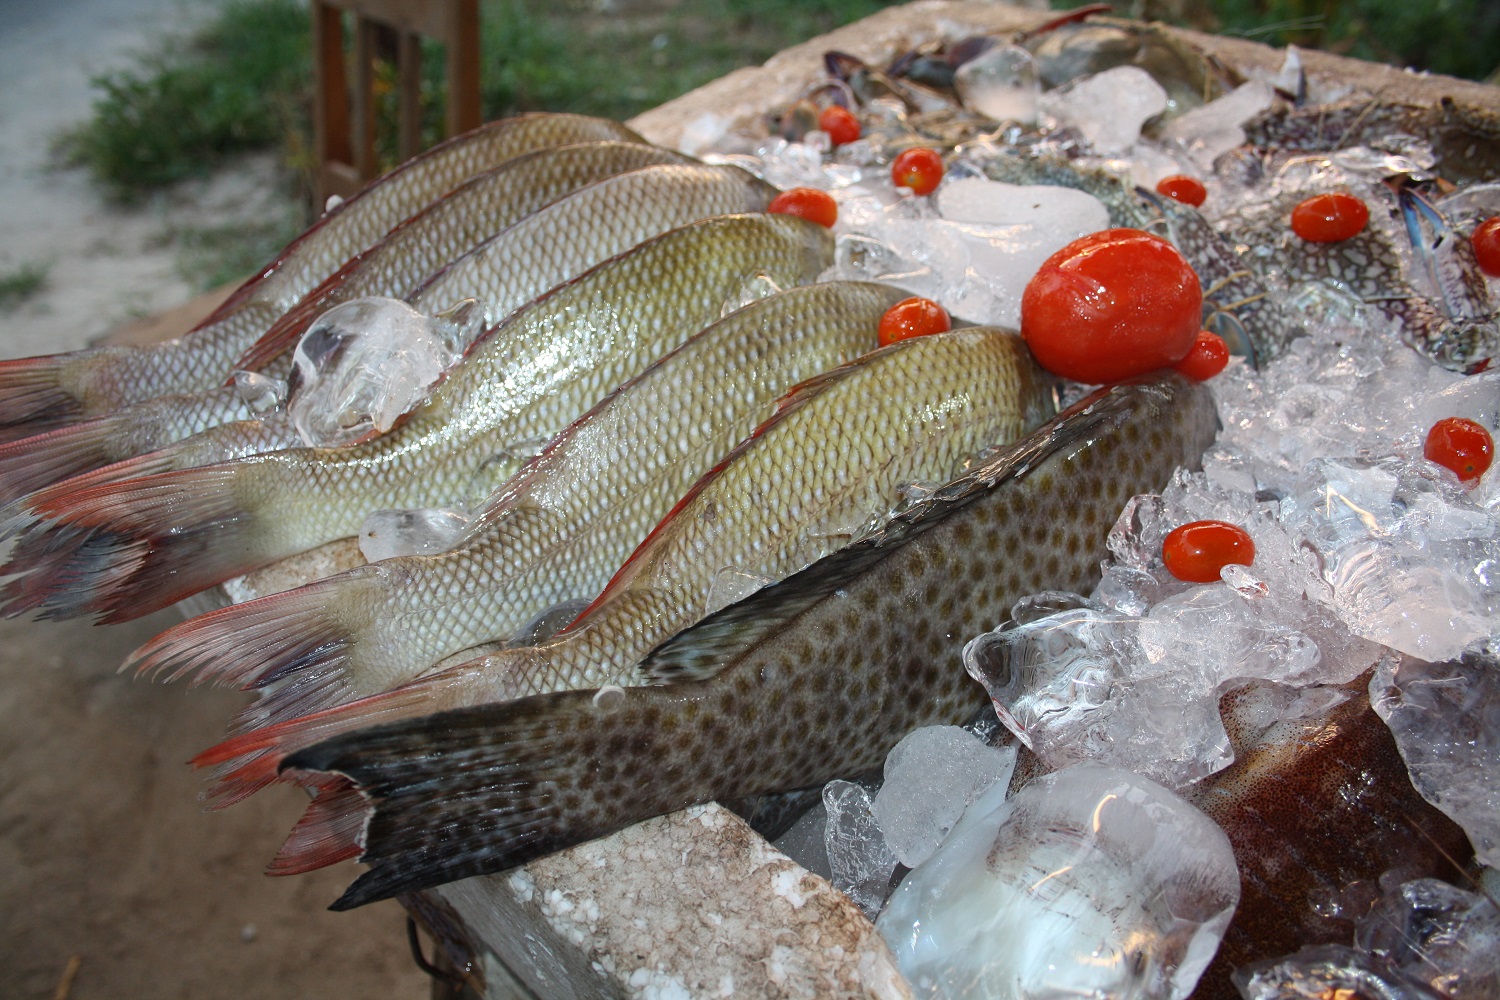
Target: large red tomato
column 1112, row 305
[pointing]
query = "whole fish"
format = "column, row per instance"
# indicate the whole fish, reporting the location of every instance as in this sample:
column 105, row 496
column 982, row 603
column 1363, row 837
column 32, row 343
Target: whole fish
column 832, row 461
column 812, row 679
column 62, row 388
column 523, row 260
column 454, row 225
column 122, row 550
column 555, row 533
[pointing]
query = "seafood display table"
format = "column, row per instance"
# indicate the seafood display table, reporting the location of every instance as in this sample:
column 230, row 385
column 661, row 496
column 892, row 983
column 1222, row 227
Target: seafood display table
column 696, row 903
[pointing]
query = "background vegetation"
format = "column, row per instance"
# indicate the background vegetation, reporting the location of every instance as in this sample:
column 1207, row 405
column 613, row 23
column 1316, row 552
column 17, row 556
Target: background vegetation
column 244, row 81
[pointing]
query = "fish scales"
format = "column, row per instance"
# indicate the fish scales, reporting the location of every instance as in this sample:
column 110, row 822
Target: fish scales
column 520, row 384
column 554, row 533
column 828, row 466
column 598, row 221
column 94, row 381
column 812, row 679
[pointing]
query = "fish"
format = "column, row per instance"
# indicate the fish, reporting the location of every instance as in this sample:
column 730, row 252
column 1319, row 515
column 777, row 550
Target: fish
column 122, row 550
column 828, row 466
column 556, row 532
column 809, row 680
column 453, row 226
column 396, row 266
column 57, row 389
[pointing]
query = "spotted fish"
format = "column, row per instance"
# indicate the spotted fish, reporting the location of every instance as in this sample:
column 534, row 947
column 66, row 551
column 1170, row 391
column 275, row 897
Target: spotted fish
column 806, row 681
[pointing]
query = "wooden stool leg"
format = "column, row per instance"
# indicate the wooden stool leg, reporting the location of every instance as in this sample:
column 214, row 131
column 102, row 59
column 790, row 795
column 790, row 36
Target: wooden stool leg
column 366, row 44
column 331, row 109
column 463, row 66
column 409, row 100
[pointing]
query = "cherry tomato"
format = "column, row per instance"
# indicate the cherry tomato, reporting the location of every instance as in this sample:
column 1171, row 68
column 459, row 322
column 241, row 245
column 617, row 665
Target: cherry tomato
column 1197, row 551
column 1206, row 358
column 810, row 203
column 1110, row 306
column 913, row 317
column 1460, row 445
column 840, row 124
column 1329, row 218
column 1486, row 240
column 1188, row 190
column 919, row 169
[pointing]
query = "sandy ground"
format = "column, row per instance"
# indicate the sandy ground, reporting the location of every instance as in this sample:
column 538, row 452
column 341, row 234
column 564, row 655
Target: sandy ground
column 113, row 880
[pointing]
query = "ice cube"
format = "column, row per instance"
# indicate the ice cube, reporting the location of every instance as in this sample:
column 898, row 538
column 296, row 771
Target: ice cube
column 1002, row 83
column 1108, row 108
column 1446, row 721
column 931, row 777
column 1439, row 934
column 261, row 393
column 424, row 532
column 1205, row 133
column 807, row 841
column 1325, row 971
column 1071, row 213
column 861, row 862
column 366, row 362
column 1089, row 882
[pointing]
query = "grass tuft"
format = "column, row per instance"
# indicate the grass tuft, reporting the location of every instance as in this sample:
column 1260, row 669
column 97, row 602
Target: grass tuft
column 22, row 283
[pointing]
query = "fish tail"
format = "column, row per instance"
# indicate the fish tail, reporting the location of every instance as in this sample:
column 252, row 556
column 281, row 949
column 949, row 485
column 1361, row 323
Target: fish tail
column 531, row 768
column 329, row 832
column 33, row 389
column 248, row 761
column 256, row 643
column 37, row 462
column 153, row 541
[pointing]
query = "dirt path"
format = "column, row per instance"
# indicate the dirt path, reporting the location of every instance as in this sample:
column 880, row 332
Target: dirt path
column 106, row 857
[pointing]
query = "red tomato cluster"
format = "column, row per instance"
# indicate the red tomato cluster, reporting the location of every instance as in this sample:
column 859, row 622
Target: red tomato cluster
column 1462, row 446
column 913, row 317
column 810, row 203
column 1188, row 190
column 1197, row 552
column 920, row 169
column 1330, row 218
column 1111, row 306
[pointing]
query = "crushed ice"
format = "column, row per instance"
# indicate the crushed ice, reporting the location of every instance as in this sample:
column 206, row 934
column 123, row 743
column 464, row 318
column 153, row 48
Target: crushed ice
column 364, row 363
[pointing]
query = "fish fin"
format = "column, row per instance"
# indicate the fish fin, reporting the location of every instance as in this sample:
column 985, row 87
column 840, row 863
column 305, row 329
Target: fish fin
column 331, row 830
column 248, row 761
column 427, row 782
column 703, row 651
column 284, row 334
column 252, row 644
column 34, row 463
column 155, row 541
column 150, row 464
column 32, row 389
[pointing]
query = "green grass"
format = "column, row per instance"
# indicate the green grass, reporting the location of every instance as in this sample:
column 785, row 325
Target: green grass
column 236, row 85
column 22, row 283
column 244, row 81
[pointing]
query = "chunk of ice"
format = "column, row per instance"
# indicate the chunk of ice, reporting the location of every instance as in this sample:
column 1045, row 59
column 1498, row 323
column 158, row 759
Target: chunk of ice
column 424, row 532
column 1205, row 133
column 1089, row 882
column 861, row 862
column 1002, row 83
column 261, row 393
column 1439, row 934
column 365, row 362
column 1446, row 721
column 1323, row 971
column 931, row 777
column 1108, row 108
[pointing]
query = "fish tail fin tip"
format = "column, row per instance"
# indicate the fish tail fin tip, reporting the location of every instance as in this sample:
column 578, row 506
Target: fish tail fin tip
column 330, row 830
column 158, row 540
column 32, row 388
column 32, row 464
column 251, row 644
